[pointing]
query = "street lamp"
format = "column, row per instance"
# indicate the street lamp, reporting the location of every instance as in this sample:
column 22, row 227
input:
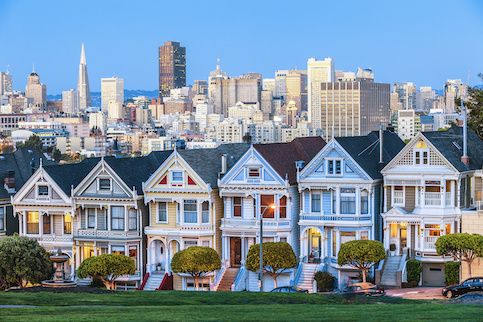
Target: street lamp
column 260, row 274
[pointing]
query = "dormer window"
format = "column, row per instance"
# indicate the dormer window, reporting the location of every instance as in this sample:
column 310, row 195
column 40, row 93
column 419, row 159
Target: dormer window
column 43, row 191
column 253, row 173
column 105, row 184
column 334, row 167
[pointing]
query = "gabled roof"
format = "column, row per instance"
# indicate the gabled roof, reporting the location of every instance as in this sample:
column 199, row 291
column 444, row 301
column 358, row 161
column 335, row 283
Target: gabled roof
column 450, row 144
column 23, row 162
column 282, row 156
column 68, row 175
column 365, row 150
column 207, row 162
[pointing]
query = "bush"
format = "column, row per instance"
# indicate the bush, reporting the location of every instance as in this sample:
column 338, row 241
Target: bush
column 414, row 269
column 361, row 254
column 452, row 273
column 107, row 268
column 325, row 281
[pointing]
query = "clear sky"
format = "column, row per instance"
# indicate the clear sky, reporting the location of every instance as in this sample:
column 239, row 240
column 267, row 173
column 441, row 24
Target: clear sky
column 425, row 42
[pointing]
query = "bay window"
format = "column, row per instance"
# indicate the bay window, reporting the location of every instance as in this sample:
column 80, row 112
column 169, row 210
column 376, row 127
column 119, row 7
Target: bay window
column 132, row 220
column 117, row 218
column 347, row 201
column 316, row 204
column 162, row 212
column 67, row 224
column 205, row 212
column 190, row 212
column 364, row 202
column 46, row 221
column 283, row 207
column 101, row 219
column 32, row 222
column 91, row 218
column 266, row 203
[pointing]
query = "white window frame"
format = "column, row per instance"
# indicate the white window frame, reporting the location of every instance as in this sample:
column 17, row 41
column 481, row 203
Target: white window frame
column 43, row 197
column 393, row 203
column 334, row 167
column 176, row 183
column 233, row 207
column 158, row 204
column 421, row 158
column 99, row 185
column 257, row 168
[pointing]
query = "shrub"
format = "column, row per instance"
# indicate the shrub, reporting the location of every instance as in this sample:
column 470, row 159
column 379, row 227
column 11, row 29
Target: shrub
column 107, row 267
column 462, row 247
column 361, row 254
column 325, row 281
column 452, row 273
column 414, row 269
column 23, row 261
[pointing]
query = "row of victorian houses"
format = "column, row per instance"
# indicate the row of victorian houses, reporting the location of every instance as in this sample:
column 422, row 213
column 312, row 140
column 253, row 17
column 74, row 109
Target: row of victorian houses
column 325, row 194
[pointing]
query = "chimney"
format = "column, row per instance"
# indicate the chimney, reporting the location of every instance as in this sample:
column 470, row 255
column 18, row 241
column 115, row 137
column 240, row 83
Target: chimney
column 381, row 142
column 223, row 164
column 465, row 158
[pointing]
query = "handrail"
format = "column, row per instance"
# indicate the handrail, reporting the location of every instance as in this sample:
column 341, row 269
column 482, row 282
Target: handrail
column 166, row 283
column 402, row 268
column 145, row 280
column 238, row 278
column 218, row 278
column 296, row 278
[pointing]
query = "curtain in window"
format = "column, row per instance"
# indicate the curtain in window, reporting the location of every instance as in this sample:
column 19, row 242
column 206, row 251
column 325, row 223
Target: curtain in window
column 190, row 212
column 133, row 219
column 117, row 218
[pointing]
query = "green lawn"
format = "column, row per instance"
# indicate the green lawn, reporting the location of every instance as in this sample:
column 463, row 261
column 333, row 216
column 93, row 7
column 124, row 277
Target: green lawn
column 219, row 306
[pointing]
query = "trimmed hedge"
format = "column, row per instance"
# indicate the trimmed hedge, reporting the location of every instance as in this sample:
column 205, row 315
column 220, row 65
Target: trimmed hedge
column 414, row 269
column 325, row 281
column 452, row 273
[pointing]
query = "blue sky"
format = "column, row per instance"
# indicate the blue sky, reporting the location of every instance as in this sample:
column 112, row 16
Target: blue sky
column 425, row 42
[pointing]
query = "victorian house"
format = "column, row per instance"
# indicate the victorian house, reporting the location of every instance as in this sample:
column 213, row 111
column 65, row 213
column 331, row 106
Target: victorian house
column 261, row 185
column 341, row 192
column 426, row 186
column 185, row 210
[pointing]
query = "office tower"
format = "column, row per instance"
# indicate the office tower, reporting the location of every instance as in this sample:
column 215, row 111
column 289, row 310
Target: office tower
column 200, row 87
column 5, row 83
column 407, row 95
column 172, row 67
column 70, row 102
column 318, row 71
column 83, row 82
column 296, row 89
column 453, row 88
column 112, row 97
column 268, row 84
column 352, row 108
column 425, row 98
column 280, row 83
column 35, row 91
column 394, row 103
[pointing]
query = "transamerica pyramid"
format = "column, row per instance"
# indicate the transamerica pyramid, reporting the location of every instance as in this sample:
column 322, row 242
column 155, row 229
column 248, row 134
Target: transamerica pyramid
column 83, row 82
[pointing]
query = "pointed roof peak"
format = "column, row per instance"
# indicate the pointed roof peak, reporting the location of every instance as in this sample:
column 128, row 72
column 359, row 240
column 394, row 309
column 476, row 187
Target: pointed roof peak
column 83, row 55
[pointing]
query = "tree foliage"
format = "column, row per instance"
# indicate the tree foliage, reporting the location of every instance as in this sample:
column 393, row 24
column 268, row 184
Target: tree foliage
column 196, row 261
column 107, row 268
column 474, row 105
column 33, row 142
column 23, row 261
column 361, row 254
column 56, row 155
column 277, row 257
column 462, row 247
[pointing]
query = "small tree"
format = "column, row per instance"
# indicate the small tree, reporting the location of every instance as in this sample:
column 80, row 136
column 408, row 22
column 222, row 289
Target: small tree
column 33, row 142
column 56, row 155
column 107, row 268
column 462, row 247
column 277, row 257
column 361, row 254
column 23, row 261
column 196, row 261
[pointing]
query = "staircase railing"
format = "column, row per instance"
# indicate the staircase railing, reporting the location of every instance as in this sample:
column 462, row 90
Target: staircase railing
column 166, row 283
column 237, row 283
column 401, row 269
column 145, row 280
column 379, row 270
column 218, row 277
column 298, row 273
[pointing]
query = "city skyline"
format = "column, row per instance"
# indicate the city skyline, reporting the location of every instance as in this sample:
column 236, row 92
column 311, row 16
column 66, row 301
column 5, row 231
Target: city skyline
column 396, row 39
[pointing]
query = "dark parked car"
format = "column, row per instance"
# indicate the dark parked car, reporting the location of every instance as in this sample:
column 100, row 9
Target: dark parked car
column 473, row 284
column 367, row 289
column 289, row 289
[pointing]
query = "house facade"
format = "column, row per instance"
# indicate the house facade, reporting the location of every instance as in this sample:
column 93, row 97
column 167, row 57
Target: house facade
column 340, row 200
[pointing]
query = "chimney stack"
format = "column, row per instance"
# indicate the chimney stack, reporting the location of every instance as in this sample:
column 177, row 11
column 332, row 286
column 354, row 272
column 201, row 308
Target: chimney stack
column 223, row 163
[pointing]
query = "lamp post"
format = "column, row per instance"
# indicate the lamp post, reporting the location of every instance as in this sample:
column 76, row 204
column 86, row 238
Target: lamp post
column 260, row 274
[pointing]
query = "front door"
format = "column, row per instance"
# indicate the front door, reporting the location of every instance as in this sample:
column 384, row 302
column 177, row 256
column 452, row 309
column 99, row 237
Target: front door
column 403, row 241
column 235, row 251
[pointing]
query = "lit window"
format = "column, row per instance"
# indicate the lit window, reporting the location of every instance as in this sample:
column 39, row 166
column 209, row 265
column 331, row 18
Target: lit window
column 117, row 250
column 283, row 207
column 47, row 224
column 266, row 201
column 104, row 184
column 67, row 224
column 364, row 235
column 32, row 222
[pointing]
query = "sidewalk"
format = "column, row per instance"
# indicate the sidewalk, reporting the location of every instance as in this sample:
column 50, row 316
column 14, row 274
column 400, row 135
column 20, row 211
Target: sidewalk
column 417, row 293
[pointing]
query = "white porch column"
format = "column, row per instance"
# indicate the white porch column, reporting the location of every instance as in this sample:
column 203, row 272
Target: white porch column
column 408, row 236
column 337, row 201
column 20, row 224
column 41, row 223
column 108, row 209
column 95, row 248
column 384, row 199
column 387, row 235
column 358, row 201
column 77, row 256
column 452, row 194
column 126, row 219
column 24, row 222
column 243, row 250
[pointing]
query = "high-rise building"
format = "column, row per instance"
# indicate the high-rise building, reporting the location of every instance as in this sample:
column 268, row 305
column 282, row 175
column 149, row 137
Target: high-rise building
column 318, row 71
column 200, row 87
column 280, row 83
column 35, row 91
column 425, row 98
column 352, row 108
column 453, row 88
column 172, row 67
column 112, row 97
column 296, row 89
column 5, row 83
column 70, row 102
column 406, row 94
column 83, row 82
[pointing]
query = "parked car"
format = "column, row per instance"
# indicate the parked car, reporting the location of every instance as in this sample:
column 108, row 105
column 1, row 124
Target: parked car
column 367, row 289
column 473, row 284
column 289, row 289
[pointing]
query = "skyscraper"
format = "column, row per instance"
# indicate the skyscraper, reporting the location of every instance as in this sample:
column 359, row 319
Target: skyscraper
column 5, row 83
column 112, row 97
column 83, row 83
column 318, row 71
column 35, row 91
column 70, row 101
column 172, row 67
column 406, row 94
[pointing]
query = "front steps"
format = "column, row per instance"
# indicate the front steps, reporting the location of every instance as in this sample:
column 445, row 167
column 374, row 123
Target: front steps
column 306, row 280
column 389, row 277
column 154, row 281
column 227, row 279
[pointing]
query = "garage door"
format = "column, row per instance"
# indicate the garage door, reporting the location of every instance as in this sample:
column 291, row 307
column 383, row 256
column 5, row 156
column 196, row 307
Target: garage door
column 433, row 275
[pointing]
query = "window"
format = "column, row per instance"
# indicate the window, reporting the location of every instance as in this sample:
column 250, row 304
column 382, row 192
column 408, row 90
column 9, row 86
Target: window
column 448, row 229
column 432, row 230
column 43, row 191
column 347, row 201
column 421, row 157
column 67, row 224
column 133, row 253
column 177, row 177
column 237, row 206
column 330, row 167
column 253, row 173
column 334, row 167
column 117, row 218
column 364, row 235
column 364, row 202
column 2, row 218
column 46, row 224
column 283, row 207
column 91, row 218
column 132, row 219
column 346, row 236
column 118, row 249
column 32, row 222
column 190, row 242
column 334, row 243
column 205, row 212
column 104, row 184
column 266, row 203
column 101, row 219
column 205, row 243
column 190, row 212
column 315, row 207
column 162, row 212
column 283, row 239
